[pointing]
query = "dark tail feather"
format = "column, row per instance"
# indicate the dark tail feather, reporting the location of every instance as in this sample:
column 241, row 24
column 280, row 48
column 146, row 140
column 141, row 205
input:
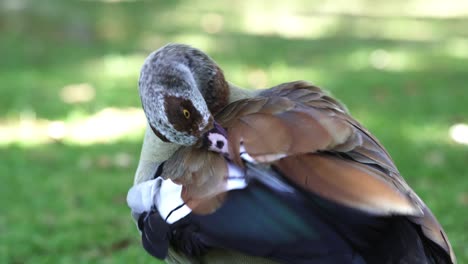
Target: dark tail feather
column 154, row 234
column 405, row 243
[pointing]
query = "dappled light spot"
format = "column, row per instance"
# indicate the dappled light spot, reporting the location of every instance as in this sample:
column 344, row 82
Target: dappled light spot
column 120, row 66
column 459, row 133
column 457, row 47
column 359, row 19
column 56, row 130
column 27, row 121
column 384, row 9
column 418, row 133
column 380, row 59
column 288, row 25
column 212, row 23
column 77, row 93
column 113, row 67
column 437, row 9
column 106, row 126
column 394, row 60
column 425, row 133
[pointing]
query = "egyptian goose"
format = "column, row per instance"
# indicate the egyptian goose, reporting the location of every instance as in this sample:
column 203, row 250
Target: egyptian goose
column 285, row 174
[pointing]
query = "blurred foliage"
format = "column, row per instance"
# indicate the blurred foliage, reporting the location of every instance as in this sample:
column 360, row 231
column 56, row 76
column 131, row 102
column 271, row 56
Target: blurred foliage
column 401, row 67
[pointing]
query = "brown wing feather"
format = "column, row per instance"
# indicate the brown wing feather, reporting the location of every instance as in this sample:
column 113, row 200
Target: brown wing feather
column 280, row 127
column 203, row 176
column 347, row 182
column 303, row 122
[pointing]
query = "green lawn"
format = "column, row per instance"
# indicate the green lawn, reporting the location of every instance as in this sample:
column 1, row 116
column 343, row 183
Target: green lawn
column 71, row 129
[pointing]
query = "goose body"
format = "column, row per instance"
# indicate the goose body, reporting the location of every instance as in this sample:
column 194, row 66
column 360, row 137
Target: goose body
column 285, row 174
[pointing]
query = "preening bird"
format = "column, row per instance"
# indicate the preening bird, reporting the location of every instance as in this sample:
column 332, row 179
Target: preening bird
column 283, row 174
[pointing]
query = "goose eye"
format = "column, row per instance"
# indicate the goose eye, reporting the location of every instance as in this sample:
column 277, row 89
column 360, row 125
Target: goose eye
column 186, row 113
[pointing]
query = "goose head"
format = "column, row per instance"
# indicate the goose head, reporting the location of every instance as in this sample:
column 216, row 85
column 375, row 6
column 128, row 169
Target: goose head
column 180, row 89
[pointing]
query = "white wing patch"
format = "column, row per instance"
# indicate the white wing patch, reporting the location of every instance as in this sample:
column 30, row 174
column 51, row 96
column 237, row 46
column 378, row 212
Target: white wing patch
column 267, row 158
column 161, row 194
column 165, row 195
column 168, row 201
column 140, row 198
column 236, row 178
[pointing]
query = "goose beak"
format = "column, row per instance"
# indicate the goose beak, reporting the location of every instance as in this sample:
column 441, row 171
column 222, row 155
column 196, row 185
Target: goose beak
column 216, row 139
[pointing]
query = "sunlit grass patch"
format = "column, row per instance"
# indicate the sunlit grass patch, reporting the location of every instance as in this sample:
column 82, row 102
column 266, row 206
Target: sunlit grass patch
column 106, row 126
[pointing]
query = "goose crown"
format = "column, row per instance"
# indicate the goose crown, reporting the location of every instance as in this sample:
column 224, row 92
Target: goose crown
column 180, row 87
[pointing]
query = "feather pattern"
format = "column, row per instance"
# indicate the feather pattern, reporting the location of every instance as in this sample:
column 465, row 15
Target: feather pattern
column 328, row 152
column 304, row 140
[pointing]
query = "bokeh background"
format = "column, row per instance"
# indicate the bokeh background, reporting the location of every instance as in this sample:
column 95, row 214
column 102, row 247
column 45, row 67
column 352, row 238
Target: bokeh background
column 71, row 125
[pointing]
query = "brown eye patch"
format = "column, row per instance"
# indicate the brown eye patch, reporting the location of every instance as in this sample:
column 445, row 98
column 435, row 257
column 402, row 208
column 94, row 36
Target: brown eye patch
column 174, row 107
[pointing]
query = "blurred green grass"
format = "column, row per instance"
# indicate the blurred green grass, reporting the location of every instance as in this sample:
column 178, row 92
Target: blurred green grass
column 400, row 67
